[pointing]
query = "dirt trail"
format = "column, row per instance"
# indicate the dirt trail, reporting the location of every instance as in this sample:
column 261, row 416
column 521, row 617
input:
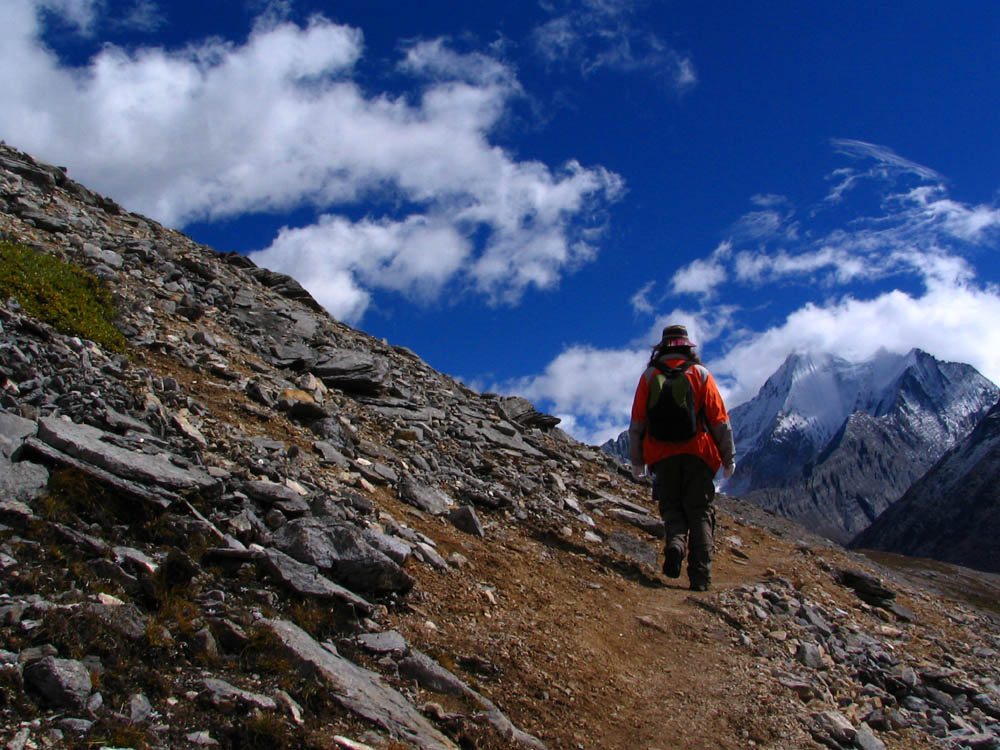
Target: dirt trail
column 615, row 655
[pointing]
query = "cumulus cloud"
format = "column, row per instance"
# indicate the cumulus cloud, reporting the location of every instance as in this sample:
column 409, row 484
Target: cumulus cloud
column 416, row 256
column 217, row 129
column 601, row 35
column 702, row 276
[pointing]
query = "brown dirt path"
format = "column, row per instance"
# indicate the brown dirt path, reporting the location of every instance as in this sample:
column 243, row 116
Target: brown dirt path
column 594, row 653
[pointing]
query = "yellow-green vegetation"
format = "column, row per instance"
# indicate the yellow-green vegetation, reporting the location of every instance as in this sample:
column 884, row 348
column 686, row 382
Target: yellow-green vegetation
column 60, row 293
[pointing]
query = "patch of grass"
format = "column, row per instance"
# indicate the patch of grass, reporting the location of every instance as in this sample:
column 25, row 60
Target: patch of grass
column 266, row 731
column 60, row 293
column 116, row 732
column 318, row 619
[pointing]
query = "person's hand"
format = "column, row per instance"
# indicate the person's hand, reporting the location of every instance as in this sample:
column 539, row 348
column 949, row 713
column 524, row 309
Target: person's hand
column 728, row 469
column 638, row 472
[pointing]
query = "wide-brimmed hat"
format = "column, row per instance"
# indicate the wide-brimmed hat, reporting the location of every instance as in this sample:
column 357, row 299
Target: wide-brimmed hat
column 675, row 336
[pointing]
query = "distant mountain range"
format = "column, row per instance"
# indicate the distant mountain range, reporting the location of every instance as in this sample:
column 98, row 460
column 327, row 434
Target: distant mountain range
column 832, row 444
column 953, row 512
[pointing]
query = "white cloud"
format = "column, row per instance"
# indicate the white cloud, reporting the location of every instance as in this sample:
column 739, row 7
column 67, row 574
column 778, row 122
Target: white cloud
column 768, row 200
column 702, row 276
column 218, row 129
column 144, row 15
column 433, row 59
column 704, row 325
column 841, row 266
column 86, row 17
column 888, row 166
column 762, row 225
column 592, row 389
column 640, row 300
column 970, row 223
column 698, row 277
column 885, row 157
column 416, row 256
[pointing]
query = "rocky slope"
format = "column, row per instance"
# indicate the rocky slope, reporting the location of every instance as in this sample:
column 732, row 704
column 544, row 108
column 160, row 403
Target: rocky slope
column 832, row 444
column 258, row 528
column 953, row 512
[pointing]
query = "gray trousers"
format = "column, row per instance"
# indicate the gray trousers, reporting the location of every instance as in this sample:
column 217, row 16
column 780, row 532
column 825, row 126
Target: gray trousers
column 685, row 493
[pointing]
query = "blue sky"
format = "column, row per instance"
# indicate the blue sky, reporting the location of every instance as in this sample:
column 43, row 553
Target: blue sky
column 524, row 193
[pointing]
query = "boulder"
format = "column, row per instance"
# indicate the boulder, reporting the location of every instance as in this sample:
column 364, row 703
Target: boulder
column 351, row 371
column 342, row 550
column 64, row 683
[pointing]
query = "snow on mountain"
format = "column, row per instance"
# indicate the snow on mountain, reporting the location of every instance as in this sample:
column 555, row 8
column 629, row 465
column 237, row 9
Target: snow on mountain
column 810, row 397
column 831, row 443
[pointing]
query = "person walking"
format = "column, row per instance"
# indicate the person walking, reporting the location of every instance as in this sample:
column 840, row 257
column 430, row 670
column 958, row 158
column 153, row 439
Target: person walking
column 694, row 439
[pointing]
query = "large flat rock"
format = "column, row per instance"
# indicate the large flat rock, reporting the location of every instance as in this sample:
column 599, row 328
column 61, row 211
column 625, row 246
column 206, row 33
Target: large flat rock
column 89, row 444
column 359, row 690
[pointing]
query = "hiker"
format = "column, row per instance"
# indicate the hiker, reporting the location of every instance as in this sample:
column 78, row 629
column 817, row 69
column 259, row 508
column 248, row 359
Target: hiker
column 694, row 440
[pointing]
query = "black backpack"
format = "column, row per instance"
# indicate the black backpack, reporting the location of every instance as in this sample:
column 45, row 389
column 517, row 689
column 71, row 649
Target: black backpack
column 671, row 416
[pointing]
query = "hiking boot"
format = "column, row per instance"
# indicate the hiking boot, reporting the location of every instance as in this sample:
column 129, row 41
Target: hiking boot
column 672, row 563
column 699, row 585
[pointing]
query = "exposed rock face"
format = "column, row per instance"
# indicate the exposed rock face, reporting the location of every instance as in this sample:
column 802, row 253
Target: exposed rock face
column 953, row 512
column 832, row 444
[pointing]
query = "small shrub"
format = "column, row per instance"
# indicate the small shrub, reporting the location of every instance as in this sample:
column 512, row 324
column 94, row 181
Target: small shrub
column 60, row 293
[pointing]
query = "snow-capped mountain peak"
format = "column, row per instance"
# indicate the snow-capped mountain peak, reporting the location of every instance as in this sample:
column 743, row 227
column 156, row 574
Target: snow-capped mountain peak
column 823, row 428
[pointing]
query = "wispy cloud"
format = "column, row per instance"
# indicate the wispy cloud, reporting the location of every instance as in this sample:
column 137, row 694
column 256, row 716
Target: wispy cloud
column 78, row 14
column 145, row 16
column 594, row 35
column 216, row 130
column 87, row 17
column 886, row 157
column 886, row 166
column 640, row 301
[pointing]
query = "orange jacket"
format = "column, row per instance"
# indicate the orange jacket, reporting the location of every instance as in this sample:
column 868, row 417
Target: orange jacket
column 711, row 437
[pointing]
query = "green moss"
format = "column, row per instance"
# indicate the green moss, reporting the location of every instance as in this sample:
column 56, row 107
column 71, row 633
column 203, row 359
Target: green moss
column 60, row 293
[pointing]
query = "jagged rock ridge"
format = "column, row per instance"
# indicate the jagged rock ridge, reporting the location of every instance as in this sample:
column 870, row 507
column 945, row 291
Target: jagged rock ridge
column 617, row 447
column 832, row 444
